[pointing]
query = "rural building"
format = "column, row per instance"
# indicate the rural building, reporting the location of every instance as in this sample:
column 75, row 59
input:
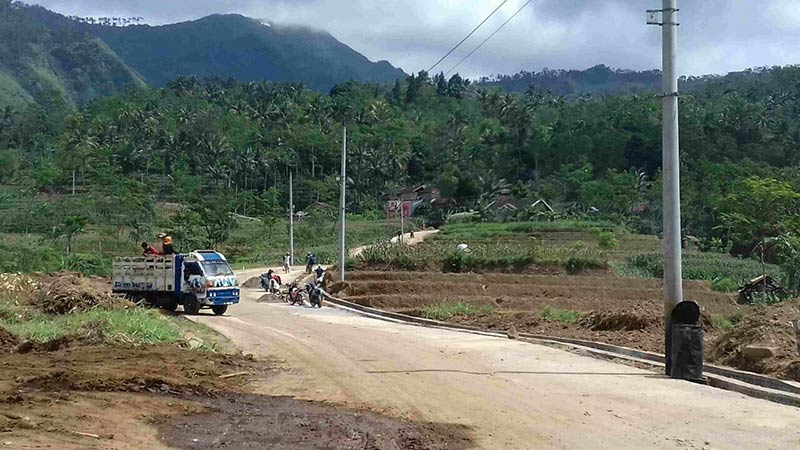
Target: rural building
column 506, row 201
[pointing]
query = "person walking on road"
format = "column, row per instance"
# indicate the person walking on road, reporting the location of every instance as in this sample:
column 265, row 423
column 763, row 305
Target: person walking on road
column 287, row 262
column 319, row 272
column 310, row 260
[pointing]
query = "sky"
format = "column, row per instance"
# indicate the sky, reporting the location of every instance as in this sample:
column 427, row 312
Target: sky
column 715, row 36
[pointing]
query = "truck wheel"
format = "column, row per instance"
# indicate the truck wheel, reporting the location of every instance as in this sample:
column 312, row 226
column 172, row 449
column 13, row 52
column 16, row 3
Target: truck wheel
column 219, row 309
column 191, row 305
column 171, row 305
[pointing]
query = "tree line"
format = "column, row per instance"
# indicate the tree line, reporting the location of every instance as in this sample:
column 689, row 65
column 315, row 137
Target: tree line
column 220, row 146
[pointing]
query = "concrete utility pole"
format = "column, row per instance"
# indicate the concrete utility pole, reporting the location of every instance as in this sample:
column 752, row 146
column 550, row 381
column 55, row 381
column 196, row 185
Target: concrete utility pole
column 343, row 179
column 673, row 288
column 402, row 221
column 291, row 220
column 73, row 182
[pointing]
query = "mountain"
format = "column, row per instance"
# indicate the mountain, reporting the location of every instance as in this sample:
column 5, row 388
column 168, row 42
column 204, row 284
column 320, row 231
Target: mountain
column 45, row 59
column 573, row 83
column 244, row 49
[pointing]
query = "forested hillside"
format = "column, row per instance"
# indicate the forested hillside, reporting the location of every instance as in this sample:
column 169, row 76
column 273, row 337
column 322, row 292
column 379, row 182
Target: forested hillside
column 244, row 49
column 218, row 146
column 59, row 62
column 595, row 80
column 53, row 62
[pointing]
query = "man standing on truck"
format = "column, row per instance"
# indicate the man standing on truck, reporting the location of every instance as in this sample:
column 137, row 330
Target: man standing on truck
column 166, row 244
column 148, row 250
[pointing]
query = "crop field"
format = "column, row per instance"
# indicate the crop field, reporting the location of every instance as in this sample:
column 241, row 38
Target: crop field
column 586, row 280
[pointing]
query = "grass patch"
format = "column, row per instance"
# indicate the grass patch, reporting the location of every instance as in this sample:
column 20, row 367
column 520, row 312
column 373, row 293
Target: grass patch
column 565, row 316
column 724, row 284
column 726, row 323
column 128, row 326
column 447, row 311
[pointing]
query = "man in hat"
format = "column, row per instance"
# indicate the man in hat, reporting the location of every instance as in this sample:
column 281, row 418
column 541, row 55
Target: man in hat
column 166, row 244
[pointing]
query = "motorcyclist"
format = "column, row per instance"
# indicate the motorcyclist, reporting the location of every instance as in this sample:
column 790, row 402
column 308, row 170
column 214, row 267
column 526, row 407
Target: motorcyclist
column 314, row 294
column 294, row 294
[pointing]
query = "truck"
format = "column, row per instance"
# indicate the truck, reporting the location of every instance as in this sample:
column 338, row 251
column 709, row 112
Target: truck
column 196, row 280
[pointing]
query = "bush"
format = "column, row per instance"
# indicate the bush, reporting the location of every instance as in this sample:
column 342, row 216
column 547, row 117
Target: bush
column 26, row 256
column 726, row 323
column 559, row 315
column 607, row 240
column 724, row 284
column 99, row 265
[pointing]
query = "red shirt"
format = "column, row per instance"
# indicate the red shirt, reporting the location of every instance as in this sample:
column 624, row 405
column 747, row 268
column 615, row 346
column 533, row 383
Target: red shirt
column 150, row 250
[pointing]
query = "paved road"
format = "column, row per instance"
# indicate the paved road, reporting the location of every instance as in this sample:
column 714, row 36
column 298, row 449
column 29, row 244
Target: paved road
column 511, row 395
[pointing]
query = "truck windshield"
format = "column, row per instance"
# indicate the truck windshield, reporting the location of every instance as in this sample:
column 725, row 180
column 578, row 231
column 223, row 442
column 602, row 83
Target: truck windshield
column 216, row 268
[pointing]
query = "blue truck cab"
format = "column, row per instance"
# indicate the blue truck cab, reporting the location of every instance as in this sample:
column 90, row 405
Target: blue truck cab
column 196, row 280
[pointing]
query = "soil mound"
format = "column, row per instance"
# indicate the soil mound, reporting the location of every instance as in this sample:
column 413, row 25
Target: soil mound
column 763, row 342
column 69, row 293
column 619, row 320
column 7, row 341
column 252, row 283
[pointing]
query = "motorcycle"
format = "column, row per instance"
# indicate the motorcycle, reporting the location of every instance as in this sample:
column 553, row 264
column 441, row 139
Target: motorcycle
column 295, row 295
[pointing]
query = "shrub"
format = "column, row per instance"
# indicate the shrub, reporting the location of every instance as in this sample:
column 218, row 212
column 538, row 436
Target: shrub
column 607, row 240
column 726, row 323
column 559, row 315
column 87, row 264
column 724, row 284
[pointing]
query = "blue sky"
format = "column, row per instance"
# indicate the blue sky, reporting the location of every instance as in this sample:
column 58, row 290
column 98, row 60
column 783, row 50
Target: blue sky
column 716, row 36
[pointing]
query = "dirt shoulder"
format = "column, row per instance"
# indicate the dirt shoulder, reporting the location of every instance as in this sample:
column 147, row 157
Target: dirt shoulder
column 100, row 384
column 169, row 397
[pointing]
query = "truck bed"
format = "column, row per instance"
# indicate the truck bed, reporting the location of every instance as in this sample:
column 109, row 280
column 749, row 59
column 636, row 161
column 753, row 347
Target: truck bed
column 144, row 274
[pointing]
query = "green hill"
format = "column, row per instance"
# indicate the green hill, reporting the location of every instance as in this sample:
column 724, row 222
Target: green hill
column 244, row 49
column 572, row 83
column 45, row 59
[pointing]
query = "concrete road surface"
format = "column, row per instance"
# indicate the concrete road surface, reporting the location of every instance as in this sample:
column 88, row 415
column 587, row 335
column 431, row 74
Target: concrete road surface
column 511, row 395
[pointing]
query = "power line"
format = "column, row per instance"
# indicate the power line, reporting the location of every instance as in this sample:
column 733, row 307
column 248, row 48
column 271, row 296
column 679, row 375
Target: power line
column 470, row 34
column 490, row 36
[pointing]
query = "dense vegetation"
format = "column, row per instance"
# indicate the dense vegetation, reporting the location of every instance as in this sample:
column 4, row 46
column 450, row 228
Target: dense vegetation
column 245, row 49
column 55, row 61
column 54, row 65
column 197, row 155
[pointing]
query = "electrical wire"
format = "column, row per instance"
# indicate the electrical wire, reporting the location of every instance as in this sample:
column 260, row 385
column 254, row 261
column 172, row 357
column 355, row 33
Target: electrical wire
column 487, row 39
column 468, row 36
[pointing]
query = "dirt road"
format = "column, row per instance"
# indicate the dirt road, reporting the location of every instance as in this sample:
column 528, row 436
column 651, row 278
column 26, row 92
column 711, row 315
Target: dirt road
column 419, row 236
column 510, row 395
